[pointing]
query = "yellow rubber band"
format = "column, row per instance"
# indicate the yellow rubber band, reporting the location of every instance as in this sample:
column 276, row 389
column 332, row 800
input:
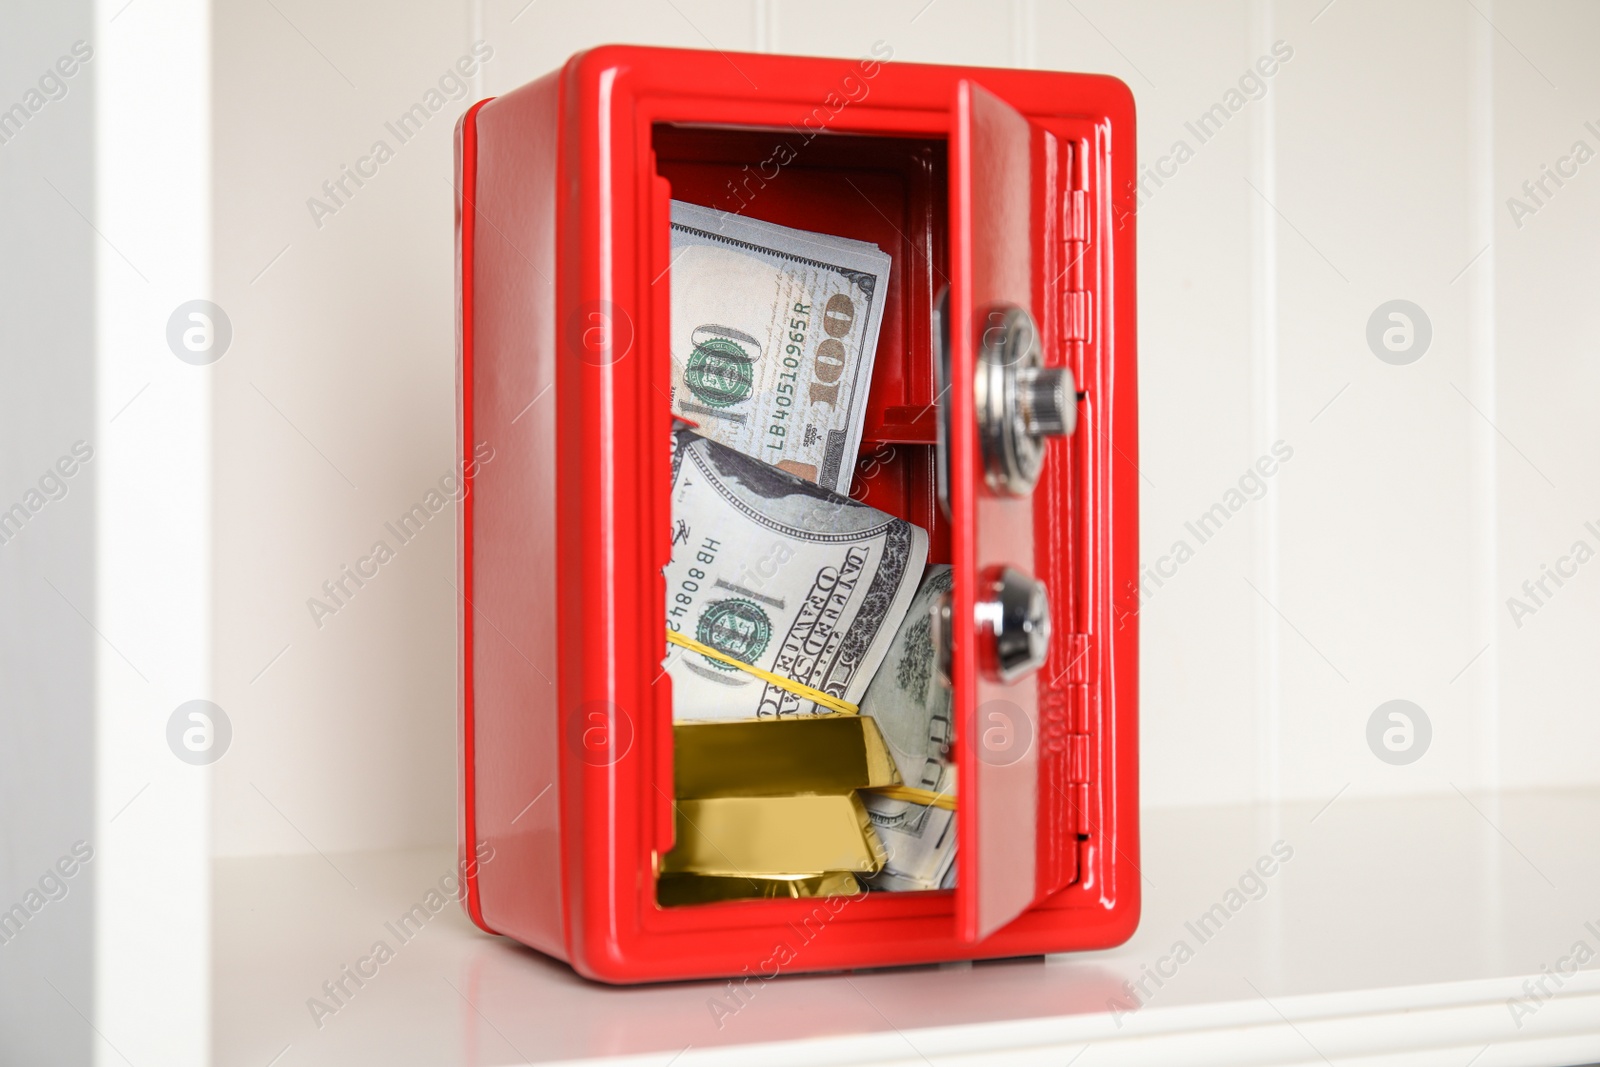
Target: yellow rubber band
column 915, row 795
column 800, row 689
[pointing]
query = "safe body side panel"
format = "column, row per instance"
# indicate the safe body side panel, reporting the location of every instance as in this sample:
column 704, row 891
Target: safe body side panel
column 511, row 627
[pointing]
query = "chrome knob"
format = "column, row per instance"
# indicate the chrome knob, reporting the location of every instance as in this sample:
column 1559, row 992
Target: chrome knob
column 1019, row 402
column 1047, row 400
column 1014, row 616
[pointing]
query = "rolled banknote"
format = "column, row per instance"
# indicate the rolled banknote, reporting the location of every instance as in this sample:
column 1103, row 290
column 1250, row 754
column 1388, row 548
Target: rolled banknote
column 782, row 574
column 912, row 706
column 773, row 335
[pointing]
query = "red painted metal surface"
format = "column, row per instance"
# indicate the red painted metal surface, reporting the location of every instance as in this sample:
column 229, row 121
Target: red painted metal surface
column 466, row 144
column 991, row 255
column 564, row 276
column 509, row 634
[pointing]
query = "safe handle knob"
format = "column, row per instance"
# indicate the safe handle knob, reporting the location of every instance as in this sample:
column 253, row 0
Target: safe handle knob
column 1019, row 402
column 1046, row 401
column 1013, row 615
column 1014, row 618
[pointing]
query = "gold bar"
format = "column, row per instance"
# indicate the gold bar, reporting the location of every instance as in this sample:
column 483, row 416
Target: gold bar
column 765, row 836
column 780, row 757
column 674, row 889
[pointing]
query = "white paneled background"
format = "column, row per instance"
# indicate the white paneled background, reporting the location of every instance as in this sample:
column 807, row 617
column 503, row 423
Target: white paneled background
column 1373, row 165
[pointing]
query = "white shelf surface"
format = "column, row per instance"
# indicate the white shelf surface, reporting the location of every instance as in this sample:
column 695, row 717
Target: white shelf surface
column 1398, row 933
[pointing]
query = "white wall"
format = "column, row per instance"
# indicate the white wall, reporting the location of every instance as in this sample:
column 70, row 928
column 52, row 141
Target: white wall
column 154, row 540
column 1375, row 166
column 47, row 654
column 104, row 828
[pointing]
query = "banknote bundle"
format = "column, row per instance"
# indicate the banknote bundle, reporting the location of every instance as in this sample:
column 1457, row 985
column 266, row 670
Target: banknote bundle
column 774, row 332
column 781, row 575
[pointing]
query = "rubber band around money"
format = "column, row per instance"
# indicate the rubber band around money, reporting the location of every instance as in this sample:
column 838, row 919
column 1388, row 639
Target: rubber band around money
column 799, row 689
column 914, row 795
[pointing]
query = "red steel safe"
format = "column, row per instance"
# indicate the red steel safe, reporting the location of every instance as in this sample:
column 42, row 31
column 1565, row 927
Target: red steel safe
column 1006, row 199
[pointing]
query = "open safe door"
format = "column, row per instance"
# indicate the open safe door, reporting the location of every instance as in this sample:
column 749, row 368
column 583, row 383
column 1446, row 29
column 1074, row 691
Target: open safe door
column 998, row 407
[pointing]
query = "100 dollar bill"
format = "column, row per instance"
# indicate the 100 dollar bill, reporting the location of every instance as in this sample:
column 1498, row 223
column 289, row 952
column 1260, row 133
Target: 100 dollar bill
column 773, row 336
column 781, row 574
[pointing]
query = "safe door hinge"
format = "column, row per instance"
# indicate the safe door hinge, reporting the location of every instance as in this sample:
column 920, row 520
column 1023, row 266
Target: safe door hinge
column 1083, row 693
column 1079, row 667
column 1075, row 217
column 1078, row 759
column 1076, row 307
column 1077, row 314
column 1066, row 766
column 1082, row 685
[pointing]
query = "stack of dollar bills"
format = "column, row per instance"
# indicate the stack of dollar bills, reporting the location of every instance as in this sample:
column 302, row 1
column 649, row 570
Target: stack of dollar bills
column 789, row 601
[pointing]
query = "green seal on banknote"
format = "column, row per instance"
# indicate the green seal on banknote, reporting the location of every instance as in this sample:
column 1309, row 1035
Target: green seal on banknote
column 719, row 373
column 736, row 627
